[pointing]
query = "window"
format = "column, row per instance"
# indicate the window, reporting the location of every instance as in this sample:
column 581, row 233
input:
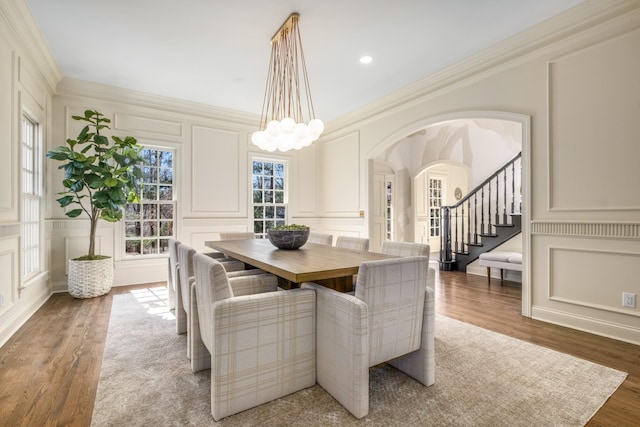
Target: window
column 151, row 222
column 31, row 195
column 269, row 195
column 435, row 203
column 389, row 209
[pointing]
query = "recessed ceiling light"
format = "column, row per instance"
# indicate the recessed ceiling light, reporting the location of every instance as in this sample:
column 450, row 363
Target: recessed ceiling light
column 366, row 59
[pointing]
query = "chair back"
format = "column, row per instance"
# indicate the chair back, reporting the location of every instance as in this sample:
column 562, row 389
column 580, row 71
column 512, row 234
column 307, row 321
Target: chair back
column 320, row 238
column 185, row 263
column 211, row 285
column 173, row 263
column 238, row 235
column 393, row 290
column 360, row 244
column 405, row 248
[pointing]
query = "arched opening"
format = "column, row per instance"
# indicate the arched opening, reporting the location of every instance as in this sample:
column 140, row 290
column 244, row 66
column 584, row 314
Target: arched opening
column 438, row 159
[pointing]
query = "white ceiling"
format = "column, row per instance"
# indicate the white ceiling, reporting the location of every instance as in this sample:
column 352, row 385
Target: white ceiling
column 217, row 52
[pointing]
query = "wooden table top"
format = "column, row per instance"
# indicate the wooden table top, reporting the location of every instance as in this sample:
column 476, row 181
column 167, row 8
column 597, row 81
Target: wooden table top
column 310, row 263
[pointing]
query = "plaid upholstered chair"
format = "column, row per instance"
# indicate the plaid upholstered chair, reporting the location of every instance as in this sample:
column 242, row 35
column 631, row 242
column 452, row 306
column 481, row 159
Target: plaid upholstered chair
column 389, row 319
column 359, row 244
column 172, row 279
column 405, row 248
column 259, row 346
column 321, row 238
column 185, row 275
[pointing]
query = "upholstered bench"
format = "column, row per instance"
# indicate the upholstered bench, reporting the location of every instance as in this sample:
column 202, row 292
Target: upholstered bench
column 502, row 260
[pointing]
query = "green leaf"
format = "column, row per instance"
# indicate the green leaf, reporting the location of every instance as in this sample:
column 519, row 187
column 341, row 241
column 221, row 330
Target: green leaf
column 74, row 213
column 111, row 182
column 116, row 195
column 94, row 181
column 69, row 170
column 111, row 215
column 77, row 186
column 132, row 197
column 59, row 153
column 78, row 157
column 101, row 140
column 65, row 201
column 101, row 196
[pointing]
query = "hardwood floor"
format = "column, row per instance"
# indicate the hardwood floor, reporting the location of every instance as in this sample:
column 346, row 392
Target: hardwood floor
column 49, row 369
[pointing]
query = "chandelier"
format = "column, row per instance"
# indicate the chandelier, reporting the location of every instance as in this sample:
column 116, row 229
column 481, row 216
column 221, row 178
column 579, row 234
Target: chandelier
column 282, row 125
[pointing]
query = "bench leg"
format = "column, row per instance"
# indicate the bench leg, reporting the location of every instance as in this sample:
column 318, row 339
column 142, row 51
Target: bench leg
column 501, row 276
column 488, row 275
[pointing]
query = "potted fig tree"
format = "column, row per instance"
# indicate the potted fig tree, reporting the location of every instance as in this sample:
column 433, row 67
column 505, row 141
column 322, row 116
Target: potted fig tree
column 100, row 178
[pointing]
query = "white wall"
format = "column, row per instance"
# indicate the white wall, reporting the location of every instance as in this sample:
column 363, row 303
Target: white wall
column 580, row 88
column 26, row 83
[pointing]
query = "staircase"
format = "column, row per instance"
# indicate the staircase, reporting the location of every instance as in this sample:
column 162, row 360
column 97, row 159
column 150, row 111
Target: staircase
column 485, row 218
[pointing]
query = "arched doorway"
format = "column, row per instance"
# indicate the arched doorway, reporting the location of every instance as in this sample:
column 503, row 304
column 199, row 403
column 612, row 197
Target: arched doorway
column 478, row 141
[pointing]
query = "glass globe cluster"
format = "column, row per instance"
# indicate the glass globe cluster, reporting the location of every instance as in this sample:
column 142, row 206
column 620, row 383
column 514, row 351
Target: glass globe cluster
column 286, row 134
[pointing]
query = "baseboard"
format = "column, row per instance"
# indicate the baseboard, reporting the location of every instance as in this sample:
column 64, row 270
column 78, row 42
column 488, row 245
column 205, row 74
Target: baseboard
column 19, row 315
column 599, row 327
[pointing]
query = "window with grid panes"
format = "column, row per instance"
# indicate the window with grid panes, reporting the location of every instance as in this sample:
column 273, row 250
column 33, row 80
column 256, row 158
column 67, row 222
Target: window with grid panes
column 31, row 195
column 389, row 210
column 151, row 222
column 269, row 195
column 435, row 203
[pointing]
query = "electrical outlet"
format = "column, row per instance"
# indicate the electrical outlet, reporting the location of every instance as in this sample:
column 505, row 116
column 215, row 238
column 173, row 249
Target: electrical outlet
column 628, row 300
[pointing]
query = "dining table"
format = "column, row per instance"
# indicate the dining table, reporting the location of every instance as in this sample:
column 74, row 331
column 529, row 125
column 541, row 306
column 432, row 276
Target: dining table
column 326, row 265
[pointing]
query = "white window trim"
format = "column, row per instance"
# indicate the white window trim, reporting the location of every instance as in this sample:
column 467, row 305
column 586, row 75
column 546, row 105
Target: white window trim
column 38, row 273
column 287, row 169
column 120, row 230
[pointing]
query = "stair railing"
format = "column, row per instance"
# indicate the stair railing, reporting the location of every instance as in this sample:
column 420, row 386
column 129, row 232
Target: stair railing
column 489, row 204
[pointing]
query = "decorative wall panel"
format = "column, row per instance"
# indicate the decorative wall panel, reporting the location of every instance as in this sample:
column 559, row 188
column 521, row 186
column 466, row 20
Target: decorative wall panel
column 593, row 97
column 8, row 172
column 30, row 83
column 215, row 171
column 341, row 175
column 8, row 276
column 614, row 272
column 306, row 185
column 147, row 124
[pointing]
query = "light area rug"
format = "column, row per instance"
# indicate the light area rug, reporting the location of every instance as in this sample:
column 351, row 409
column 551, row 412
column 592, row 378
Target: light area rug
column 482, row 379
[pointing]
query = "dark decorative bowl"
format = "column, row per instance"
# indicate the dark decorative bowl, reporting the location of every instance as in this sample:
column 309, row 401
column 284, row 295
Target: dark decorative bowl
column 288, row 239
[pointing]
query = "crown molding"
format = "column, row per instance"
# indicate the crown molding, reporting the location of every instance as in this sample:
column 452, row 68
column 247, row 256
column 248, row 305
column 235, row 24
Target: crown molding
column 516, row 48
column 28, row 35
column 82, row 88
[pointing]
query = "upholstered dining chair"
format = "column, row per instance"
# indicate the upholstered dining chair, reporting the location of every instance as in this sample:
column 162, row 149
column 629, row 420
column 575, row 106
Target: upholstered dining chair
column 186, row 278
column 237, row 235
column 321, row 238
column 359, row 244
column 389, row 319
column 390, row 247
column 259, row 346
column 172, row 280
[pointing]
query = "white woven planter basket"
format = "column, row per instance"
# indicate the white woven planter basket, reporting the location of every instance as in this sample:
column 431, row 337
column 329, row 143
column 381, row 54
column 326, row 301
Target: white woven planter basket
column 88, row 279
